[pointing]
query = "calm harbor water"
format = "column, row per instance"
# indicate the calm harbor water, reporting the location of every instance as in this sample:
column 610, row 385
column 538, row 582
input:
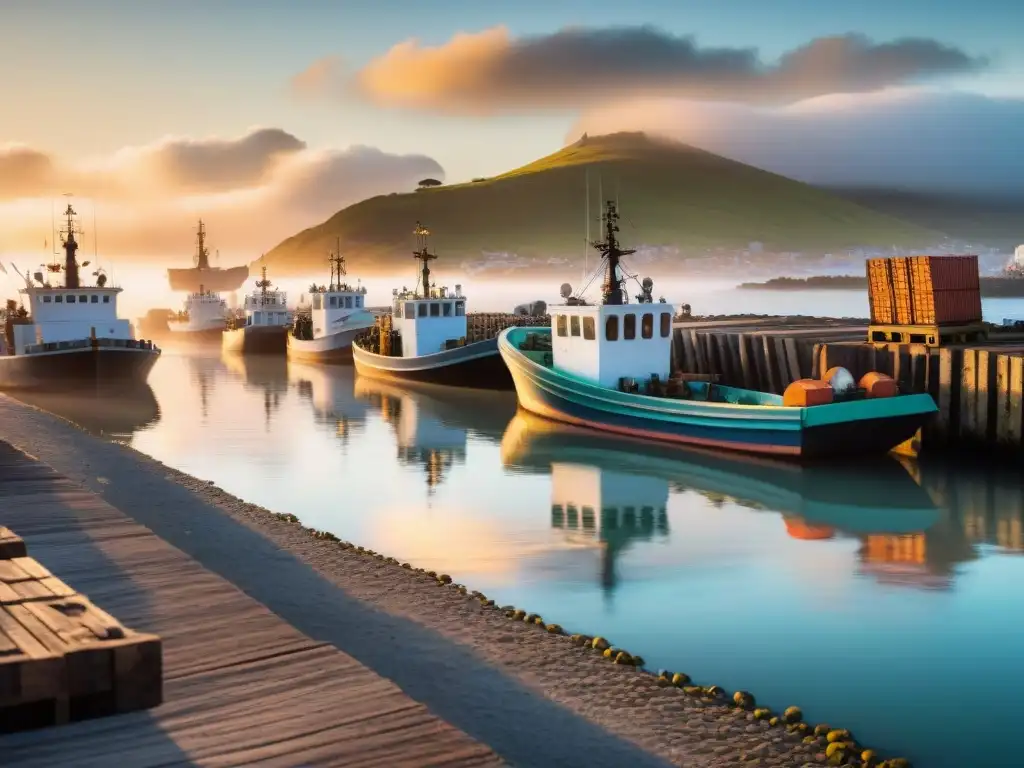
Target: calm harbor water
column 885, row 598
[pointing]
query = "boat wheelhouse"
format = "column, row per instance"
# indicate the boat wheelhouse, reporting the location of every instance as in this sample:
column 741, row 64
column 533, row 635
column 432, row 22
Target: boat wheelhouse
column 608, row 366
column 337, row 314
column 205, row 315
column 424, row 337
column 71, row 334
column 266, row 322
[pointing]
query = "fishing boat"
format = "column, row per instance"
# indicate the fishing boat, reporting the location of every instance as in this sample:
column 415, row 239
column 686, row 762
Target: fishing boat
column 204, row 317
column 424, row 337
column 607, row 366
column 70, row 335
column 267, row 320
column 203, row 274
column 337, row 314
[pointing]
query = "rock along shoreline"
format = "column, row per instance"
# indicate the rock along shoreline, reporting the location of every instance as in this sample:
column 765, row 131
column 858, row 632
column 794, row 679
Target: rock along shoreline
column 665, row 712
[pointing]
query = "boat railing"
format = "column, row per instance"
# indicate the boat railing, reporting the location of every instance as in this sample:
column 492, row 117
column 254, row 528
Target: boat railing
column 61, row 346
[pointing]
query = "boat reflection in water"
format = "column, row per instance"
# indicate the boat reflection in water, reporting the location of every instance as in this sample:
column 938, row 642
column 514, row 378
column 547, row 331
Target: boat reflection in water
column 117, row 413
column 616, row 490
column 331, row 392
column 432, row 424
column 266, row 373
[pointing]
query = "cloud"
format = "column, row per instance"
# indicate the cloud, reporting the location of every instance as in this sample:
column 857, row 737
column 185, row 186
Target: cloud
column 321, row 77
column 23, row 170
column 490, row 71
column 905, row 138
column 253, row 190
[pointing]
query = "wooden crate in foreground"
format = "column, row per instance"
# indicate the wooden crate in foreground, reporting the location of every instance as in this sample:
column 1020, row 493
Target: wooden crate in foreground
column 64, row 659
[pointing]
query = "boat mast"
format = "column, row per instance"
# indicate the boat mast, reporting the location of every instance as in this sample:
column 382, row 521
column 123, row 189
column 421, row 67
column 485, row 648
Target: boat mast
column 424, row 255
column 70, row 247
column 610, row 250
column 337, row 266
column 263, row 285
column 202, row 254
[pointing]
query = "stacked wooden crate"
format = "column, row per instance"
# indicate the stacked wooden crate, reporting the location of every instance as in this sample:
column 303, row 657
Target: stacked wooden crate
column 926, row 294
column 62, row 658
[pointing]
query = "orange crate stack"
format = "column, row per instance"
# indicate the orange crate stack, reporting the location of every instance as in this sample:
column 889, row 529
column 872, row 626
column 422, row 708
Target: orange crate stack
column 924, row 290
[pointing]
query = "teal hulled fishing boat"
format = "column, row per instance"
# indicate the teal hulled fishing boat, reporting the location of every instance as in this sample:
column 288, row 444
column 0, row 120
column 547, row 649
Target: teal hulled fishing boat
column 608, row 366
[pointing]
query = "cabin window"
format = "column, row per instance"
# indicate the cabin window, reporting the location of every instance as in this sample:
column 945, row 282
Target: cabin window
column 59, row 299
column 94, row 299
column 333, row 301
column 666, row 325
column 611, row 328
column 106, row 299
column 588, row 329
column 629, row 327
column 83, row 299
column 348, row 302
column 71, row 299
column 647, row 326
column 560, row 325
column 447, row 309
column 46, row 299
column 410, row 310
column 460, row 308
column 574, row 325
column 435, row 309
column 422, row 312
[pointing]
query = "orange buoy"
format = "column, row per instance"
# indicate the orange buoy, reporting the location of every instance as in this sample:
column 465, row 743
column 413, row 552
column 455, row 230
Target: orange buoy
column 877, row 384
column 805, row 392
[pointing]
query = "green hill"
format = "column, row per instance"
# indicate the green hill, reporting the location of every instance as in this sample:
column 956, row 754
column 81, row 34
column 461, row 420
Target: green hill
column 669, row 194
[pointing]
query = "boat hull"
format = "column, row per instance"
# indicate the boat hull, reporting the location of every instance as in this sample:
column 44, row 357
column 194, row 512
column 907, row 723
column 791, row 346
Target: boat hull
column 477, row 365
column 255, row 340
column 74, row 369
column 213, row 279
column 335, row 348
column 859, row 428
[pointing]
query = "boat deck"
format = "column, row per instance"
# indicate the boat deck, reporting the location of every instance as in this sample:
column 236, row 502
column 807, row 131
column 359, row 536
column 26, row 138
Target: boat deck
column 241, row 686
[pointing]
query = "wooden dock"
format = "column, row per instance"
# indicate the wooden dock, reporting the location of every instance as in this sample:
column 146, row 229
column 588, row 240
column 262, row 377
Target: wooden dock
column 241, row 686
column 978, row 388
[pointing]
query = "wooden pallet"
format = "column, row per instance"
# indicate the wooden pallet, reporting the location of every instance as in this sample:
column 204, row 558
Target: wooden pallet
column 929, row 335
column 64, row 659
column 11, row 544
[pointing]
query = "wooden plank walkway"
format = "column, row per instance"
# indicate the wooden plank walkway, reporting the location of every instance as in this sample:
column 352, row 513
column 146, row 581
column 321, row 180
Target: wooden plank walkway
column 241, row 686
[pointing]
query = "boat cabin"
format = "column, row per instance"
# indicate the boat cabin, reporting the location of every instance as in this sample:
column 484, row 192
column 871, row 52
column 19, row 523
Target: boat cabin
column 70, row 314
column 607, row 342
column 614, row 340
column 334, row 305
column 264, row 307
column 428, row 324
column 203, row 305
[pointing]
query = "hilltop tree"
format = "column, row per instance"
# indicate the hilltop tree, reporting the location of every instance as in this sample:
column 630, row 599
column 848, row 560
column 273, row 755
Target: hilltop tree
column 429, row 183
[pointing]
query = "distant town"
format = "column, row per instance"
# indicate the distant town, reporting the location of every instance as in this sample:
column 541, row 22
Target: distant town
column 752, row 261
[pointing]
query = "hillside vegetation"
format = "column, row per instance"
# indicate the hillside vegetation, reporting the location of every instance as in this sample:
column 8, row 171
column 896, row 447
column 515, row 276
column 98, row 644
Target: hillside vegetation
column 669, row 194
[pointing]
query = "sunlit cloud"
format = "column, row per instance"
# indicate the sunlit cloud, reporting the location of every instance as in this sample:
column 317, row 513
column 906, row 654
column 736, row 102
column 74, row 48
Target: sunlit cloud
column 253, row 190
column 492, row 71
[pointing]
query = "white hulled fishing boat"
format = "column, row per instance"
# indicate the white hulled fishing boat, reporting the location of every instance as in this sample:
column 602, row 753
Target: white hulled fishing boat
column 70, row 335
column 337, row 314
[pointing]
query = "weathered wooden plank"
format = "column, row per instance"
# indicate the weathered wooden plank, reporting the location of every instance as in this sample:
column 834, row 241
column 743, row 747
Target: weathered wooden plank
column 792, row 360
column 1002, row 399
column 1015, row 396
column 771, row 356
column 11, row 545
column 968, row 395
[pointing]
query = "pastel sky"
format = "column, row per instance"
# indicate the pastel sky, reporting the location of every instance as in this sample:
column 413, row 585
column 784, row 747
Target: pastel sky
column 154, row 108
